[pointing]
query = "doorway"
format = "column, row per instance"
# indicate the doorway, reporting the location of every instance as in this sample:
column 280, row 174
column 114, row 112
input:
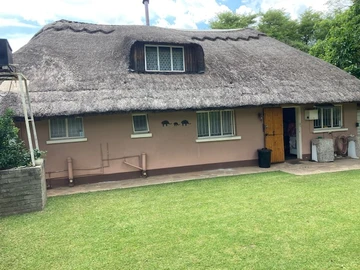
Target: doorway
column 290, row 133
column 273, row 132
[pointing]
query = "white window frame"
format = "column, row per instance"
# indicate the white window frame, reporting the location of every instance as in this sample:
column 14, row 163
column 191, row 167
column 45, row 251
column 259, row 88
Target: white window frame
column 158, row 58
column 207, row 138
column 67, row 131
column 332, row 119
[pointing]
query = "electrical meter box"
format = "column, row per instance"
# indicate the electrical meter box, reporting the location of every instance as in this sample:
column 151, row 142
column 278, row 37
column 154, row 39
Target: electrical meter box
column 5, row 53
column 311, row 115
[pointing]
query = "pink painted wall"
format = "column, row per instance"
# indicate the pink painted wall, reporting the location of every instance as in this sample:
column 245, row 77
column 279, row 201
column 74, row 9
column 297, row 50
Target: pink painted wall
column 349, row 121
column 171, row 146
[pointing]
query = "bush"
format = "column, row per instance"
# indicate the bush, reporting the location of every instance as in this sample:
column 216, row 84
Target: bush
column 13, row 152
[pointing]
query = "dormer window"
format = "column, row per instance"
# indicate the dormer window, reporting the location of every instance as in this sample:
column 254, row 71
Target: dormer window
column 164, row 58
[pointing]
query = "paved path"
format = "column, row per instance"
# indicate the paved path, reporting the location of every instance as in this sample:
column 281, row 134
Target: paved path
column 292, row 167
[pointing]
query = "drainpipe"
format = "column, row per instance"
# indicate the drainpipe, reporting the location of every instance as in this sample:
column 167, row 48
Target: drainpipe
column 70, row 171
column 143, row 164
column 146, row 3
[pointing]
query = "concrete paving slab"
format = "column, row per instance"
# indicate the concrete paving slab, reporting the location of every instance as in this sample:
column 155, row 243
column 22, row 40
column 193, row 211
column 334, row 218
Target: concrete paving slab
column 291, row 167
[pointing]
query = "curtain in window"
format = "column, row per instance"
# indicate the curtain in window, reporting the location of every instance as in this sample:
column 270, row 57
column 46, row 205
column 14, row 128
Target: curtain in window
column 326, row 117
column 75, row 127
column 140, row 123
column 220, row 123
column 227, row 122
column 202, row 124
column 58, row 128
column 151, row 58
column 337, row 116
column 215, row 124
column 178, row 59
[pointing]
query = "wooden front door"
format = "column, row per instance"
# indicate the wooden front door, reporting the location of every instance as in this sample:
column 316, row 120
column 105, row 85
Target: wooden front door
column 274, row 137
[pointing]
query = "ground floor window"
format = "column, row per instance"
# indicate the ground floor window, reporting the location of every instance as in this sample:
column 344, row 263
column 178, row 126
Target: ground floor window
column 140, row 123
column 329, row 117
column 70, row 127
column 215, row 123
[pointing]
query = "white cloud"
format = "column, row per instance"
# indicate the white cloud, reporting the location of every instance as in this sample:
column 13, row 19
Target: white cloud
column 16, row 41
column 15, row 22
column 186, row 12
column 293, row 7
column 105, row 11
column 245, row 10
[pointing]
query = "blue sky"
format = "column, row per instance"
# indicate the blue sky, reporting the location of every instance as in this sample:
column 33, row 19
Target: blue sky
column 20, row 21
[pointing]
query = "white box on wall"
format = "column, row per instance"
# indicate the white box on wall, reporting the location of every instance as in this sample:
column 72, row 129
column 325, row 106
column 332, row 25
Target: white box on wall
column 311, row 115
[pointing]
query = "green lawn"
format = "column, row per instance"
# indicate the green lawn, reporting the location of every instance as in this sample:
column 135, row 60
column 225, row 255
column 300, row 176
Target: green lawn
column 260, row 221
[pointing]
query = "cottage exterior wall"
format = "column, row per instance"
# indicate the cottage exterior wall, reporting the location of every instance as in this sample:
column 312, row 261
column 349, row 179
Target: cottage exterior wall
column 349, row 121
column 171, row 146
column 109, row 137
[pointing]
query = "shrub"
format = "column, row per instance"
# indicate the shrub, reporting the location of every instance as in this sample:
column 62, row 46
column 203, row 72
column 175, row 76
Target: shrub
column 13, row 152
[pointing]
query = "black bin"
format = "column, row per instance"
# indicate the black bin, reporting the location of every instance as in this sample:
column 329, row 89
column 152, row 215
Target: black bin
column 264, row 158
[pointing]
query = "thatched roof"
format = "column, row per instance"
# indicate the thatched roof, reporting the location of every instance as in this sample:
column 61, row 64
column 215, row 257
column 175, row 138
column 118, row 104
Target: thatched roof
column 78, row 68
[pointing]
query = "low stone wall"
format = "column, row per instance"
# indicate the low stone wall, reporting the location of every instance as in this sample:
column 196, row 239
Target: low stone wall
column 22, row 190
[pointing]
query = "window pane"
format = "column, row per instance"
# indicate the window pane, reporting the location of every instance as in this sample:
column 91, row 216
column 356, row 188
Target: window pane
column 57, row 128
column 75, row 127
column 337, row 116
column 215, row 124
column 326, row 117
column 140, row 123
column 317, row 123
column 227, row 122
column 165, row 58
column 151, row 58
column 202, row 124
column 178, row 61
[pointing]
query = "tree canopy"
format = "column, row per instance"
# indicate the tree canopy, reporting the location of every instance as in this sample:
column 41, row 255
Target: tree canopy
column 341, row 45
column 334, row 37
column 231, row 20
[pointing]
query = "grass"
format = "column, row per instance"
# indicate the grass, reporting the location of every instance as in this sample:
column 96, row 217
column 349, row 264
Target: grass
column 260, row 221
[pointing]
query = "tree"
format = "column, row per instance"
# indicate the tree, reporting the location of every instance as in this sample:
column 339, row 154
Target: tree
column 308, row 20
column 341, row 46
column 13, row 152
column 277, row 23
column 338, row 4
column 231, row 20
column 322, row 28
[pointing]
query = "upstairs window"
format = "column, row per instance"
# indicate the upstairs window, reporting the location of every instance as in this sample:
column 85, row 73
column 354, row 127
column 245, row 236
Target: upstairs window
column 71, row 127
column 164, row 58
column 329, row 117
column 215, row 124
